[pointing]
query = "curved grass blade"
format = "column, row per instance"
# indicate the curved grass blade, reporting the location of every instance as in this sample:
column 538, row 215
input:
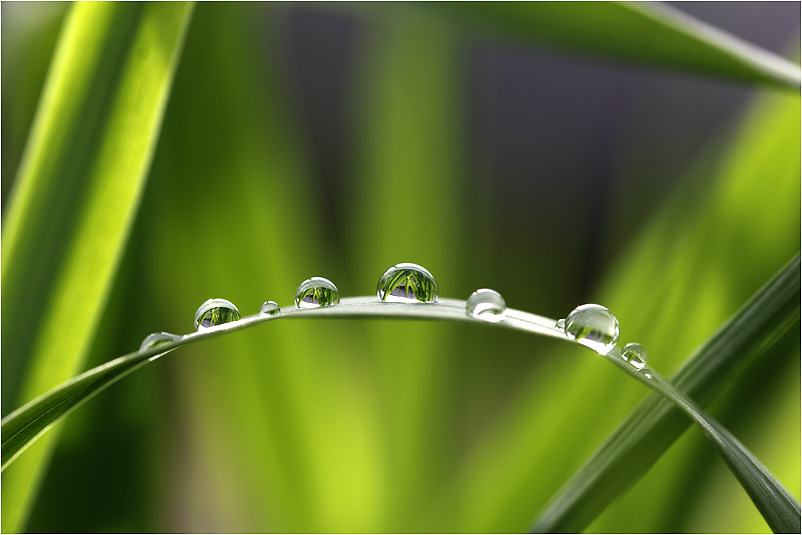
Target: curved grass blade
column 649, row 33
column 656, row 423
column 75, row 197
column 25, row 425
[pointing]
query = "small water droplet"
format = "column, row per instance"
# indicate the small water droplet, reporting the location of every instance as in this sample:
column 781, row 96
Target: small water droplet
column 407, row 283
column 635, row 354
column 316, row 292
column 592, row 326
column 270, row 308
column 215, row 312
column 157, row 339
column 560, row 324
column 486, row 304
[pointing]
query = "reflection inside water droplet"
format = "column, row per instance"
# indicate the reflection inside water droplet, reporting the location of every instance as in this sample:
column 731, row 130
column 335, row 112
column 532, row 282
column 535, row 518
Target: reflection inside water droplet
column 592, row 326
column 269, row 308
column 635, row 354
column 486, row 304
column 316, row 292
column 215, row 312
column 157, row 339
column 407, row 283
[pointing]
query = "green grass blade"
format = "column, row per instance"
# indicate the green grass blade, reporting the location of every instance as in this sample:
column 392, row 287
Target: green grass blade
column 75, row 197
column 655, row 424
column 649, row 33
column 25, row 425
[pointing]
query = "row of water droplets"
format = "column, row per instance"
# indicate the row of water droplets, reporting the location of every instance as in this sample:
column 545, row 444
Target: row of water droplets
column 590, row 325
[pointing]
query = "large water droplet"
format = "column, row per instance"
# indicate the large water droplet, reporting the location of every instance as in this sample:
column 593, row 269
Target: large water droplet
column 486, row 304
column 270, row 308
column 215, row 312
column 635, row 354
column 316, row 292
column 407, row 283
column 157, row 339
column 592, row 326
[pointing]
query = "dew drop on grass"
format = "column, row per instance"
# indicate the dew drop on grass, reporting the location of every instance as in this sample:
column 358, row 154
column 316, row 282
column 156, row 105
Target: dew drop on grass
column 635, row 354
column 269, row 308
column 407, row 283
column 560, row 324
column 316, row 292
column 486, row 304
column 157, row 339
column 592, row 326
column 215, row 312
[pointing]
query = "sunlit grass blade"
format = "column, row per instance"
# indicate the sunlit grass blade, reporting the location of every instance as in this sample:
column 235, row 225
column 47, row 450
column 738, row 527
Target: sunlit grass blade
column 409, row 133
column 75, row 196
column 649, row 33
column 656, row 423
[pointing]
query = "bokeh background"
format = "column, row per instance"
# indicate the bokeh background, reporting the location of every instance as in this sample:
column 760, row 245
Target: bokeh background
column 337, row 140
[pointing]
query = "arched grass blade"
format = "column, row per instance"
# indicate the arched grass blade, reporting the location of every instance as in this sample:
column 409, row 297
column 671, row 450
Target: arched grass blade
column 656, row 423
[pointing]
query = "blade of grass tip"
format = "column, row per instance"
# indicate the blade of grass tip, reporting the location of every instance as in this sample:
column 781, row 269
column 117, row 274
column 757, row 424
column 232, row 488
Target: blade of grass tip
column 75, row 197
column 649, row 33
column 408, row 129
column 655, row 424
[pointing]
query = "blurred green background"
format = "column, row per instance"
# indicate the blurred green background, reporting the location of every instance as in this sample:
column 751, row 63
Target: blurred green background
column 337, row 140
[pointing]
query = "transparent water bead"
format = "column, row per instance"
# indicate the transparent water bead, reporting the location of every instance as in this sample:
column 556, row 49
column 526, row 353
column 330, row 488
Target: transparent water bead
column 592, row 326
column 269, row 308
column 157, row 339
column 215, row 312
column 560, row 324
column 407, row 283
column 635, row 354
column 486, row 304
column 316, row 292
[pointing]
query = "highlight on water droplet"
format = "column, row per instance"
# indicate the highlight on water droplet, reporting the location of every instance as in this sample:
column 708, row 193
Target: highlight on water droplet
column 560, row 324
column 635, row 354
column 316, row 292
column 592, row 326
column 269, row 308
column 486, row 304
column 407, row 283
column 215, row 312
column 157, row 339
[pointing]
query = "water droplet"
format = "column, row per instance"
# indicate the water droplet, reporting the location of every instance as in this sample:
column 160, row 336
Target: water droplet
column 560, row 324
column 592, row 326
column 486, row 304
column 316, row 292
column 157, row 339
column 635, row 354
column 215, row 312
column 407, row 283
column 270, row 308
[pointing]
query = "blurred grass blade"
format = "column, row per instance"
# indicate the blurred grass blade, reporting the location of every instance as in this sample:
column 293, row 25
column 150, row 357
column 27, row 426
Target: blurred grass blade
column 22, row 427
column 655, row 424
column 75, row 197
column 645, row 32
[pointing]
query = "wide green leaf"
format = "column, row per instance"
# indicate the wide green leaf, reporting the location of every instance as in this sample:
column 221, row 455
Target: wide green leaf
column 650, row 33
column 75, row 196
column 656, row 423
